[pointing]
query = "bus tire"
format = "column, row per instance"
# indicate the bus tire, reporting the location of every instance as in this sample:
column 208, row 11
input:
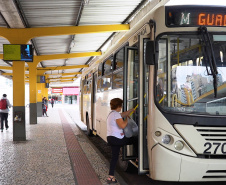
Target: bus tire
column 124, row 165
column 89, row 131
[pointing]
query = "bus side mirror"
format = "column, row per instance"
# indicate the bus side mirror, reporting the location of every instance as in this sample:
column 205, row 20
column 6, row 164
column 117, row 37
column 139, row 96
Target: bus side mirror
column 150, row 53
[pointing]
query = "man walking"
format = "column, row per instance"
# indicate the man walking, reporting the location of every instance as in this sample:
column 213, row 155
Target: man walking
column 4, row 111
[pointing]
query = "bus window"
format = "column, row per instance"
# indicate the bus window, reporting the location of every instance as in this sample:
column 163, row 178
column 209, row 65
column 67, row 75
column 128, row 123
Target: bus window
column 99, row 84
column 133, row 71
column 106, row 82
column 117, row 81
column 100, row 69
column 132, row 81
column 119, row 58
column 183, row 83
column 89, row 87
column 85, row 89
column 108, row 66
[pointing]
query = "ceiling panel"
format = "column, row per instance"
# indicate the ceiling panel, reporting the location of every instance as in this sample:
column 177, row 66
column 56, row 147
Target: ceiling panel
column 46, row 13
column 107, row 12
column 53, row 13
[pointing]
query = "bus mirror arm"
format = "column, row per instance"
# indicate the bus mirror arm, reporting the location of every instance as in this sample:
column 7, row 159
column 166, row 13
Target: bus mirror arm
column 150, row 53
column 150, row 47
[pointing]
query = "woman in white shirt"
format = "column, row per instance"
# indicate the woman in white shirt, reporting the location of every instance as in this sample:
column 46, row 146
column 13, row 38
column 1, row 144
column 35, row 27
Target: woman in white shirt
column 115, row 135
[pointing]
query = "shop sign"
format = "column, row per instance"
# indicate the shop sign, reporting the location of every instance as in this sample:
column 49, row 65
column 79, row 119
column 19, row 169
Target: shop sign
column 57, row 90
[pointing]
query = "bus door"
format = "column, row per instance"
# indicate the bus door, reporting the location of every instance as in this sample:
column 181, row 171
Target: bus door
column 81, row 98
column 135, row 92
column 93, row 102
column 143, row 166
column 130, row 91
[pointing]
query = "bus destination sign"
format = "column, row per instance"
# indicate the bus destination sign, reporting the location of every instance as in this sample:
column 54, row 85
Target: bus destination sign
column 190, row 16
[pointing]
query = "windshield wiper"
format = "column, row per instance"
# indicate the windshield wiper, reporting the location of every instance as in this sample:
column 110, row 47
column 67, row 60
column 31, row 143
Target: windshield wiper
column 209, row 57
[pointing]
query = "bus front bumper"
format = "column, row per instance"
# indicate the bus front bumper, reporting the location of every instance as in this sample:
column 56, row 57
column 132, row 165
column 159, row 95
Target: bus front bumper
column 167, row 165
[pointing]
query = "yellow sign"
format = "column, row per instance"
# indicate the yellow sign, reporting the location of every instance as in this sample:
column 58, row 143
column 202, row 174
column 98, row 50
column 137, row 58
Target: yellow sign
column 11, row 52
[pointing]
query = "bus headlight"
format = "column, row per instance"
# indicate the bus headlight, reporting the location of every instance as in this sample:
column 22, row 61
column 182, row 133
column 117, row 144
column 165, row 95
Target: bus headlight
column 178, row 145
column 158, row 133
column 166, row 139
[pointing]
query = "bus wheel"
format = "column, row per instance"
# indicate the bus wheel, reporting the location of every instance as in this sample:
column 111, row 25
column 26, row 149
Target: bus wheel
column 89, row 131
column 124, row 165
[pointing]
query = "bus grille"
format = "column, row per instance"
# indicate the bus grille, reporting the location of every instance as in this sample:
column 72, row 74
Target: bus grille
column 219, row 174
column 212, row 133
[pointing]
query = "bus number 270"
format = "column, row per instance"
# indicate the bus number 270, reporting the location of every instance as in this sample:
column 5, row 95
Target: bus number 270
column 214, row 146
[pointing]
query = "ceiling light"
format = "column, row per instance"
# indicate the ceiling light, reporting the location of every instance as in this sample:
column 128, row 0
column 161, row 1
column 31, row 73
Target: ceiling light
column 86, row 1
column 72, row 44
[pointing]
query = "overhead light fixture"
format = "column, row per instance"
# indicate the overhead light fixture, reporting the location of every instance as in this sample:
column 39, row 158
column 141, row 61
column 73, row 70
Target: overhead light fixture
column 72, row 44
column 86, row 1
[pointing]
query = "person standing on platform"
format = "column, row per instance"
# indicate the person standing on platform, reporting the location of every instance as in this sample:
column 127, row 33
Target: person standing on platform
column 44, row 107
column 4, row 111
column 52, row 102
column 115, row 134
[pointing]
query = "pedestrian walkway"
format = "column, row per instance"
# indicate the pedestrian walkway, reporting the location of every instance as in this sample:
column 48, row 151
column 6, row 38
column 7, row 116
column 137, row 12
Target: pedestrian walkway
column 55, row 152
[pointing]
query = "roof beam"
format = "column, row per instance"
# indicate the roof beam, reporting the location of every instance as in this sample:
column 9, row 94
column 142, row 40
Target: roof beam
column 6, row 67
column 61, row 78
column 56, row 80
column 59, row 67
column 61, row 74
column 64, row 56
column 29, row 33
column 63, row 81
column 11, row 74
column 64, row 74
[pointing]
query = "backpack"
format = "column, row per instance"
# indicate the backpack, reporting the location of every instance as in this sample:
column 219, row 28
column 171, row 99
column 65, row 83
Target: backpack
column 3, row 104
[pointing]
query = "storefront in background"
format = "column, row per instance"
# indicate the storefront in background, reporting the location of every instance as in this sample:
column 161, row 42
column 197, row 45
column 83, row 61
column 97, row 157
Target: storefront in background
column 70, row 95
column 64, row 95
column 56, row 94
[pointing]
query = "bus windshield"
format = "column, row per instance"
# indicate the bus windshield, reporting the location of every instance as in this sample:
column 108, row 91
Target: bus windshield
column 184, row 79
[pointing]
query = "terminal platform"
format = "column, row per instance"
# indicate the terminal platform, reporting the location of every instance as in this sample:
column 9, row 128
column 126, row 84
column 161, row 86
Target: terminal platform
column 56, row 152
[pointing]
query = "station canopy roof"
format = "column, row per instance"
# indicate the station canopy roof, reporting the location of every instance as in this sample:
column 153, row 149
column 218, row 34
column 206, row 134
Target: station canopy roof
column 55, row 13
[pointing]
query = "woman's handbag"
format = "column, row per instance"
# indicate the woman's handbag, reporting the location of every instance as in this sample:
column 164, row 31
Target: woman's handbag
column 131, row 128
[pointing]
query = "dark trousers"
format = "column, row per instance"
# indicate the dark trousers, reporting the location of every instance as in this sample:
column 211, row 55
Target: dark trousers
column 116, row 144
column 52, row 105
column 4, row 117
column 44, row 112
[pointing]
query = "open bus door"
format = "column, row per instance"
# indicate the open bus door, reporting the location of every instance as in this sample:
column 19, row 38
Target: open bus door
column 130, row 92
column 135, row 87
column 93, row 102
column 143, row 166
column 81, row 99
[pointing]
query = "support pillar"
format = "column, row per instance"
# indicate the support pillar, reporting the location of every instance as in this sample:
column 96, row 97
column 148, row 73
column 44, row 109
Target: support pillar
column 40, row 95
column 33, row 92
column 19, row 125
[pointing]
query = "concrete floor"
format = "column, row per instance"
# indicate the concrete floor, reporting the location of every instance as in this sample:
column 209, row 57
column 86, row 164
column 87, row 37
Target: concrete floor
column 44, row 157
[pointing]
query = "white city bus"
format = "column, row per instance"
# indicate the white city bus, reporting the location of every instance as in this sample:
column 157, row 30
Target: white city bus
column 169, row 65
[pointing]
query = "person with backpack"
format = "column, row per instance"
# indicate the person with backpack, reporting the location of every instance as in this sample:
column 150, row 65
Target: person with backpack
column 4, row 111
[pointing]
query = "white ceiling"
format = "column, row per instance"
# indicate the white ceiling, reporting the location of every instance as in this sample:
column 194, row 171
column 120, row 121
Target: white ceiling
column 49, row 13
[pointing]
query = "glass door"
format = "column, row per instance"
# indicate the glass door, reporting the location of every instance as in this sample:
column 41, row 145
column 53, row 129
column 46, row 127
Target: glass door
column 130, row 91
column 143, row 166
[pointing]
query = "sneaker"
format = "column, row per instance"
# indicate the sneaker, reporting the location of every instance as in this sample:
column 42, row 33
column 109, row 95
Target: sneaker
column 1, row 130
column 7, row 128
